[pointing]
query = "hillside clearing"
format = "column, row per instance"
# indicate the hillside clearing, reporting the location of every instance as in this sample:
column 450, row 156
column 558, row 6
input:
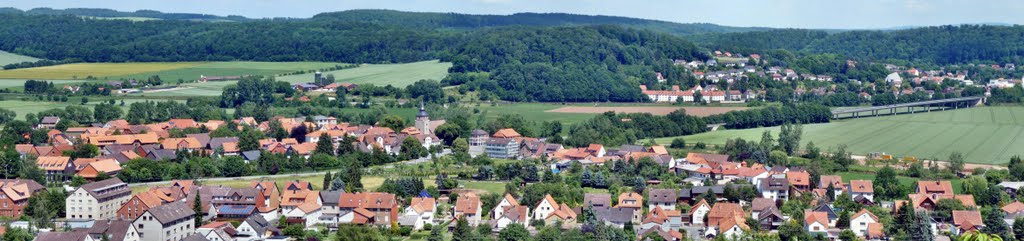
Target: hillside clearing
column 12, row 58
column 398, row 75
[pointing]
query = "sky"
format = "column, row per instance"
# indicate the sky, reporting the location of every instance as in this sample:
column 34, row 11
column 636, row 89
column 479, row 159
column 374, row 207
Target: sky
column 821, row 14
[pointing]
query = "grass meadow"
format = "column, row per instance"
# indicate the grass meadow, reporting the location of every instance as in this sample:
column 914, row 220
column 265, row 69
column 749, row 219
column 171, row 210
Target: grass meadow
column 23, row 106
column 985, row 135
column 398, row 75
column 12, row 58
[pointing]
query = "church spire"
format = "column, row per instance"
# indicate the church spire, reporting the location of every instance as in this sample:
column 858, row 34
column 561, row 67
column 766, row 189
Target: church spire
column 423, row 111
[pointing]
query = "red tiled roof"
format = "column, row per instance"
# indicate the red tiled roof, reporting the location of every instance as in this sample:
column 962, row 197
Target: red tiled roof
column 862, row 186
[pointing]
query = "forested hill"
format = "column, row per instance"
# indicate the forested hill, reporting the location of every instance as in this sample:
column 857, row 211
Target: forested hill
column 473, row 21
column 526, row 63
column 109, row 13
column 931, row 45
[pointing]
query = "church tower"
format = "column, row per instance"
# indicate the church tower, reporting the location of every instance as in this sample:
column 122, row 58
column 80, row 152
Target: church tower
column 423, row 121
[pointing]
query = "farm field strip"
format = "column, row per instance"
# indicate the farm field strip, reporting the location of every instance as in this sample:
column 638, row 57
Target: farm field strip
column 20, row 83
column 655, row 110
column 98, row 70
column 986, row 135
column 233, row 68
column 398, row 75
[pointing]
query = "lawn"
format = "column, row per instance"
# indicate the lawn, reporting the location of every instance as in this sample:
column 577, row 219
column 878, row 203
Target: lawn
column 985, row 135
column 398, row 75
column 12, row 58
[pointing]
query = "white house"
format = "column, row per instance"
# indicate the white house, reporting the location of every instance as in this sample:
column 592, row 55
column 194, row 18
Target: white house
column 859, row 222
column 511, row 215
column 97, row 200
column 862, row 188
column 894, row 78
column 419, row 213
column 469, row 207
column 310, row 214
column 815, row 222
column 173, row 221
column 544, row 208
column 506, row 202
column 254, row 228
column 663, row 198
column 698, row 212
column 774, row 188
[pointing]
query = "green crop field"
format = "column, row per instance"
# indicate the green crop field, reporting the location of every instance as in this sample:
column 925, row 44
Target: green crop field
column 398, row 75
column 536, row 112
column 238, row 68
column 30, row 105
column 98, row 70
column 170, row 72
column 986, row 135
column 395, row 74
column 12, row 58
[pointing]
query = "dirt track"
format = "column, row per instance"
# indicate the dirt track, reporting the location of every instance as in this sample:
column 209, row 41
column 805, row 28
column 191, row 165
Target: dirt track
column 656, row 110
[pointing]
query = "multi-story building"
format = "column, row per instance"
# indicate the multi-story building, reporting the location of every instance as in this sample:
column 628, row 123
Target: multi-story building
column 143, row 201
column 502, row 148
column 14, row 194
column 171, row 222
column 97, row 200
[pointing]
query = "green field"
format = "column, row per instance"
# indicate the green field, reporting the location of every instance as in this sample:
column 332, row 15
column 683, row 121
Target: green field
column 170, row 72
column 239, row 68
column 31, row 105
column 12, row 58
column 986, row 135
column 98, row 70
column 398, row 75
column 20, row 83
column 133, row 19
column 536, row 112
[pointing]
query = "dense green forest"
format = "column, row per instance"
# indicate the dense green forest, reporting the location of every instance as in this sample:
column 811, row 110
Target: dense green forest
column 472, row 21
column 578, row 63
column 520, row 57
column 759, row 41
column 928, row 45
column 109, row 13
column 561, row 63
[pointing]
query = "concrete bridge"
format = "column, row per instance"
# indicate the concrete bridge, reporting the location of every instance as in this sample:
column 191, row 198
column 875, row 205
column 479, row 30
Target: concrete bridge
column 909, row 108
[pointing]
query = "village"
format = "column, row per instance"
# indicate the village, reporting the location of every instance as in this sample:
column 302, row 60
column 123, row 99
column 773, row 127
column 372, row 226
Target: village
column 727, row 68
column 706, row 207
